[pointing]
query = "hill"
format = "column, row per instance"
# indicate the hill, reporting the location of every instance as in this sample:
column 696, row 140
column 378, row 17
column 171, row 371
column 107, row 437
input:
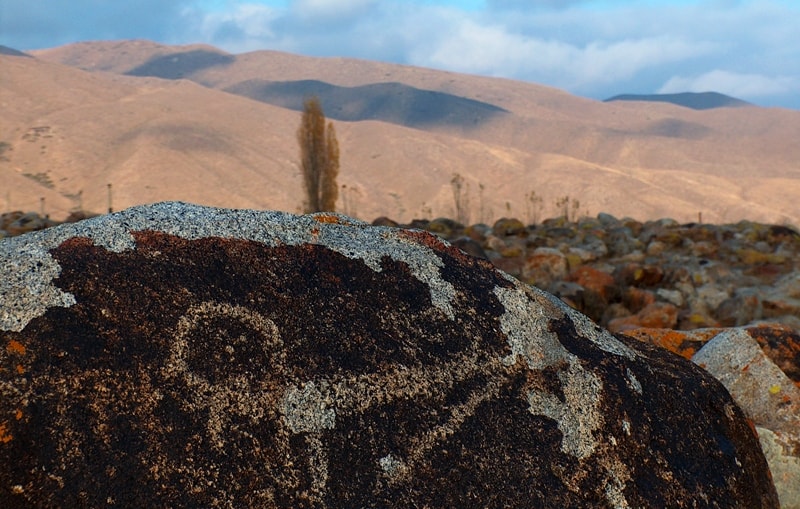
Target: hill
column 198, row 124
column 693, row 100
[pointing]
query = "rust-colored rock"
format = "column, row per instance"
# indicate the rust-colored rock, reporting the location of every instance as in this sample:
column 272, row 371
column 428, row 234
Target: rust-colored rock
column 658, row 315
column 544, row 266
column 181, row 356
column 683, row 343
column 599, row 282
column 782, row 345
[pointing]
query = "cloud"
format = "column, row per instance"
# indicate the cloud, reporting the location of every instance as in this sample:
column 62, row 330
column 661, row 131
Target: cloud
column 468, row 46
column 749, row 86
column 246, row 26
column 331, row 9
column 589, row 47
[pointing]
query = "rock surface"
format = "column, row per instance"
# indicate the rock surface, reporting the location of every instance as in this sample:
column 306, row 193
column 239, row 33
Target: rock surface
column 174, row 355
column 759, row 368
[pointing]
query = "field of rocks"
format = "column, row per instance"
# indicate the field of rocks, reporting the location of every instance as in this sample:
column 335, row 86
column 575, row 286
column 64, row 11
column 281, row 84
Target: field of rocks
column 626, row 274
column 622, row 273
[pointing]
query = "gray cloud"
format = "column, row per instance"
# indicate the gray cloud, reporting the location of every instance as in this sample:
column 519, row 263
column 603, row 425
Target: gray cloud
column 744, row 47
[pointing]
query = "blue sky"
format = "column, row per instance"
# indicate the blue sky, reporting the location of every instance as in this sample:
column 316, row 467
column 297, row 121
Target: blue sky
column 596, row 48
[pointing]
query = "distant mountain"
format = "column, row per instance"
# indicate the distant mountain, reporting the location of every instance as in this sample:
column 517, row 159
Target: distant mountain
column 693, row 100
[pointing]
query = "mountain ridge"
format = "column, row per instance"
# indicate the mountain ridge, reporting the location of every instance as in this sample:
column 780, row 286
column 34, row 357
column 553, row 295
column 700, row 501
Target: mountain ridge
column 153, row 137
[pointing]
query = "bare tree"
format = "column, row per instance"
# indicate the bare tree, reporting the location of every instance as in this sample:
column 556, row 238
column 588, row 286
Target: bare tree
column 319, row 158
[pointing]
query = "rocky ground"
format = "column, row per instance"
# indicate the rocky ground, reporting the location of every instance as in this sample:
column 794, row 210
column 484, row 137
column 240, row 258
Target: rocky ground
column 626, row 274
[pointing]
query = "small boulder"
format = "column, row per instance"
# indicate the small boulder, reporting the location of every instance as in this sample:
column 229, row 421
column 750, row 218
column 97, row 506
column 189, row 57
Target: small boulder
column 506, row 226
column 544, row 266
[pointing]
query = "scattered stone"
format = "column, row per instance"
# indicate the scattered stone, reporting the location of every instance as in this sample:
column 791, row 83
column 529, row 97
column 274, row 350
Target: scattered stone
column 695, row 267
column 658, row 315
column 175, row 355
column 18, row 222
column 508, row 226
column 385, row 221
column 544, row 266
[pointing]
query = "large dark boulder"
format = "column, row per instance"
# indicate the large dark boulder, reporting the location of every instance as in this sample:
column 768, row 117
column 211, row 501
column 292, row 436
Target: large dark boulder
column 180, row 356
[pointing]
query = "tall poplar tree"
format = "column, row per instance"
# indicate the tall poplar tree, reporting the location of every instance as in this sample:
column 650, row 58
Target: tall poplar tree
column 319, row 158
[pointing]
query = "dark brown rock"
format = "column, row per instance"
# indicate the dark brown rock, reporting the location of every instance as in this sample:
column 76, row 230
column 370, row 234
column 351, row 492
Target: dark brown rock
column 470, row 247
column 180, row 356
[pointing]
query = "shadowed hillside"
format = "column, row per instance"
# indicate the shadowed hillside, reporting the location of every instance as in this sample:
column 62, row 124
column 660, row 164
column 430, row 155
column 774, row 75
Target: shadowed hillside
column 388, row 102
column 181, row 65
column 693, row 100
column 5, row 50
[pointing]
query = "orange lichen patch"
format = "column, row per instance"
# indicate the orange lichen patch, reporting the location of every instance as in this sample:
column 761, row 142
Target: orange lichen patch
column 424, row 238
column 18, row 414
column 20, row 369
column 330, row 219
column 683, row 343
column 782, row 345
column 5, row 436
column 15, row 347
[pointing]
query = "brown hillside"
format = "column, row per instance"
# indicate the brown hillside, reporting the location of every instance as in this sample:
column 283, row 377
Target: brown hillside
column 628, row 158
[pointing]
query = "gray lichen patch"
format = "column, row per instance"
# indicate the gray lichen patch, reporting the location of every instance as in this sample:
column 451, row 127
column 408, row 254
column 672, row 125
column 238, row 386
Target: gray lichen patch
column 528, row 333
column 579, row 415
column 25, row 289
column 27, row 269
column 308, row 408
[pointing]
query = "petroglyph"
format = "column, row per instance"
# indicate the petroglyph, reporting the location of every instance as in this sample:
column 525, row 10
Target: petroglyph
column 578, row 416
column 309, row 408
column 531, row 339
column 228, row 386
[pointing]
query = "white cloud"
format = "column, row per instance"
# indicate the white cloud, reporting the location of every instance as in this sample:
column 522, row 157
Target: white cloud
column 244, row 27
column 328, row 11
column 739, row 85
column 479, row 49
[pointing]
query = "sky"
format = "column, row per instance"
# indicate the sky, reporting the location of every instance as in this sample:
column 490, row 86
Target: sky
column 749, row 49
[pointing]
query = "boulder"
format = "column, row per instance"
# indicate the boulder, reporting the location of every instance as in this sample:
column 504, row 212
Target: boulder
column 180, row 356
column 760, row 367
column 507, row 226
column 768, row 397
